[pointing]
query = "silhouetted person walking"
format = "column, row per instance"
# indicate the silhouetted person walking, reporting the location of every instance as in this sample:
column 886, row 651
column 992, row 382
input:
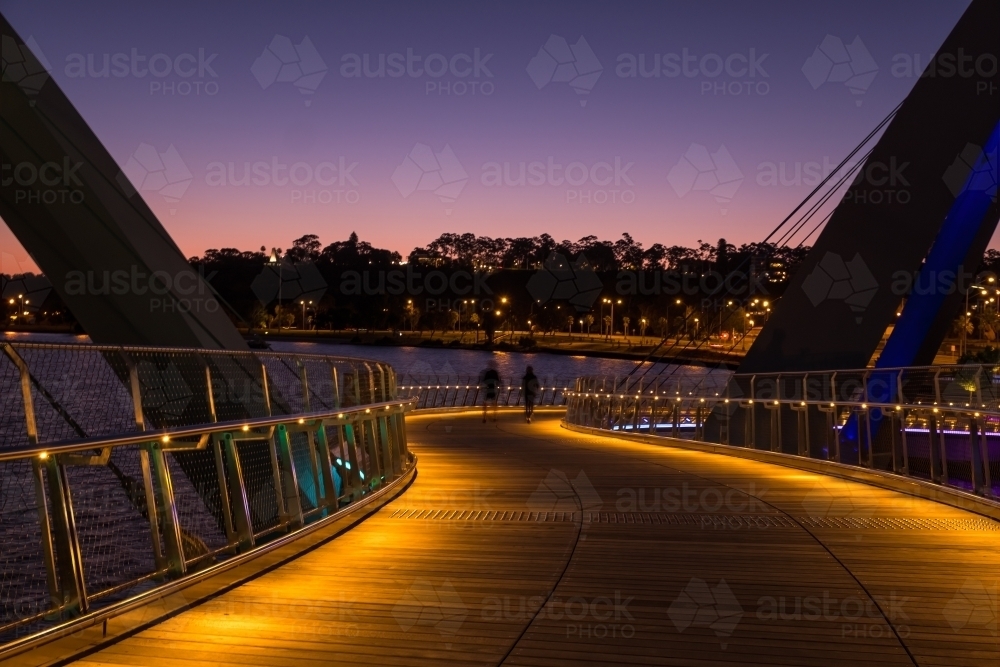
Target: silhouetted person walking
column 529, row 387
column 489, row 383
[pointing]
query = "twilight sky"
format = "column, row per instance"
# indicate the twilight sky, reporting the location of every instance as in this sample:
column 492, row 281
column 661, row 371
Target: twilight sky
column 404, row 152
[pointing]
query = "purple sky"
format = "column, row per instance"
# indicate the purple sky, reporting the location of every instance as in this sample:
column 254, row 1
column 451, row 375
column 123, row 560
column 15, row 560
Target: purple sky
column 234, row 112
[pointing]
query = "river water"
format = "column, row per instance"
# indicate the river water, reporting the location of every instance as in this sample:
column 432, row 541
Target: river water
column 417, row 364
column 421, row 363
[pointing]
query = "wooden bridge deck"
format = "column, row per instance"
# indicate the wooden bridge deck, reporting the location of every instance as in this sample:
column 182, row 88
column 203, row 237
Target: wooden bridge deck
column 538, row 546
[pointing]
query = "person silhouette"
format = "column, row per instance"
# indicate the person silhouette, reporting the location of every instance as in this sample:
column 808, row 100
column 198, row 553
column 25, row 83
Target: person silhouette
column 529, row 387
column 489, row 383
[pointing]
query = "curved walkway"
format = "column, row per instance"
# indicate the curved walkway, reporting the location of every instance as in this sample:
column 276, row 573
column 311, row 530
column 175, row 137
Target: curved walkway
column 531, row 545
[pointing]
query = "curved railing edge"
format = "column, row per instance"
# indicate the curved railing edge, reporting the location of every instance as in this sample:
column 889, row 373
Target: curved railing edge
column 913, row 486
column 385, row 494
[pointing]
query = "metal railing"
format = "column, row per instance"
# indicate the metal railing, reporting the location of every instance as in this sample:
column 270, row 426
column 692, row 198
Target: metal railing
column 125, row 468
column 938, row 423
column 451, row 391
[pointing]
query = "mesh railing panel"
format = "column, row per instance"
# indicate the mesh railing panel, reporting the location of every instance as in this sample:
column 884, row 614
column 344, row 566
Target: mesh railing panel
column 258, row 476
column 958, row 450
column 79, row 392
column 109, row 504
column 174, row 388
column 23, row 584
column 305, row 471
column 237, row 387
column 198, row 502
column 991, row 450
column 286, row 385
column 320, row 381
column 85, row 391
column 13, row 430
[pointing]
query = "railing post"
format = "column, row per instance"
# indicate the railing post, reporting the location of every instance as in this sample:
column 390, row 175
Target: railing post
column 304, row 379
column 242, row 524
column 371, row 449
column 209, row 394
column 985, row 458
column 381, row 384
column 904, row 445
column 147, row 474
column 943, row 449
column 326, row 468
column 399, row 420
column 69, row 558
column 27, row 403
column 167, row 510
column 895, row 440
column 976, row 457
column 353, row 481
column 390, row 463
column 136, row 390
column 934, row 449
column 336, row 387
column 289, row 488
column 224, row 501
column 154, row 523
column 45, row 530
column 265, row 390
column 371, row 383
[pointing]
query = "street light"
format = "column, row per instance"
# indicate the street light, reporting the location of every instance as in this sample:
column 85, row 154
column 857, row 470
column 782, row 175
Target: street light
column 275, row 260
column 303, row 303
column 968, row 313
column 611, row 329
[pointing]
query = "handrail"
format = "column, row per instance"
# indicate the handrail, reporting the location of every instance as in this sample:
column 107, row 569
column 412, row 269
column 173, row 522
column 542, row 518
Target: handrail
column 173, row 434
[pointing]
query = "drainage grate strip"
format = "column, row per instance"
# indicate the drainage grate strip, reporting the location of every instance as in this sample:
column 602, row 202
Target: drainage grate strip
column 699, row 519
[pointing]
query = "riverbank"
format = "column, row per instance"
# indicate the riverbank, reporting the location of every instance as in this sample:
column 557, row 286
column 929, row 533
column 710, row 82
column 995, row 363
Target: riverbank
column 633, row 348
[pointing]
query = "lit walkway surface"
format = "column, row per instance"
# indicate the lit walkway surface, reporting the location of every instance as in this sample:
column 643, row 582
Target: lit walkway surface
column 532, row 545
